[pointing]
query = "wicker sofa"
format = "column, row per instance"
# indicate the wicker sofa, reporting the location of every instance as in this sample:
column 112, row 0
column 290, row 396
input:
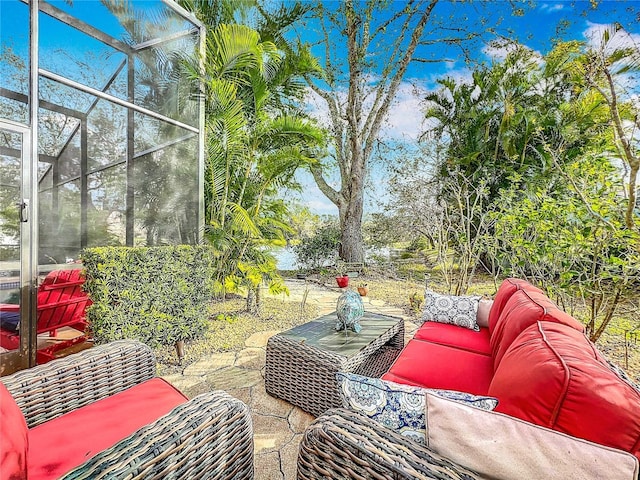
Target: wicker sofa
column 344, row 444
column 102, row 413
column 559, row 400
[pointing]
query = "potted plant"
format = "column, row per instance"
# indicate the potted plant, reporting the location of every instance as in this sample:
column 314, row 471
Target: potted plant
column 343, row 280
column 363, row 289
column 342, row 277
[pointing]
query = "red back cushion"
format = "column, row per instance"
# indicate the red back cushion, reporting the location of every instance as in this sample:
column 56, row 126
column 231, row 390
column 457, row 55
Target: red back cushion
column 455, row 336
column 523, row 309
column 13, row 438
column 508, row 287
column 553, row 376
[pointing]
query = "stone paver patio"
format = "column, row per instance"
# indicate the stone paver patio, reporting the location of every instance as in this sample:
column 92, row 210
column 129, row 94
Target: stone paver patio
column 277, row 424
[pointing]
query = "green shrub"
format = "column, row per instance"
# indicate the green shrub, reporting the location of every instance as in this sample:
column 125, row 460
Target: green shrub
column 155, row 295
column 319, row 248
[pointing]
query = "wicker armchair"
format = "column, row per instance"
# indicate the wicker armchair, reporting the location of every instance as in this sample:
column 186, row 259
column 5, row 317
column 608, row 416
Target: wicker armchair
column 210, row 436
column 345, row 444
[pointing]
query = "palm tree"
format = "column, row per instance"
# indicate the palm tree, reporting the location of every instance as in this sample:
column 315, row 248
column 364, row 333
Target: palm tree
column 257, row 137
column 602, row 67
column 543, row 135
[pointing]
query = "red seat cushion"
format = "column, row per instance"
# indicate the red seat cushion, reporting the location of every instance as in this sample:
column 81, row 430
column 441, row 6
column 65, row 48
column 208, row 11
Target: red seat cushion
column 522, row 310
column 455, row 336
column 58, row 446
column 507, row 288
column 553, row 376
column 14, row 441
column 430, row 365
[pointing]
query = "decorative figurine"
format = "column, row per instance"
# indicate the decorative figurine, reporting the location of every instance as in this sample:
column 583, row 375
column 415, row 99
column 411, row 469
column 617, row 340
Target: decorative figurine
column 350, row 310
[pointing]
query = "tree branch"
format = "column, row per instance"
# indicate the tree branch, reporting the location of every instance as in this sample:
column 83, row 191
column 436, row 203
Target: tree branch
column 435, row 60
column 620, row 139
column 578, row 191
column 354, row 59
column 327, row 46
column 632, row 160
column 383, row 27
column 324, row 187
column 397, row 78
column 450, row 40
column 380, row 90
column 336, row 119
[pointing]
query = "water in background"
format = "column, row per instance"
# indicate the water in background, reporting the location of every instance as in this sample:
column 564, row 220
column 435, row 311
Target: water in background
column 286, row 259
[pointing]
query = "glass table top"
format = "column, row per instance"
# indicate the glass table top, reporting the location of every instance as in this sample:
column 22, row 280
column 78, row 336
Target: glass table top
column 321, row 333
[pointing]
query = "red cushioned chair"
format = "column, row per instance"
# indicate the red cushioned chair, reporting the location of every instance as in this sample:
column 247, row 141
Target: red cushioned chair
column 103, row 414
column 61, row 303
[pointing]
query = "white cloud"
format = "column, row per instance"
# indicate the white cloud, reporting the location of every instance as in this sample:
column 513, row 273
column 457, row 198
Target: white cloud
column 311, row 196
column 404, row 118
column 551, row 7
column 321, row 207
column 622, row 39
column 450, row 65
column 593, row 34
column 461, row 75
column 496, row 52
column 499, row 50
column 317, row 107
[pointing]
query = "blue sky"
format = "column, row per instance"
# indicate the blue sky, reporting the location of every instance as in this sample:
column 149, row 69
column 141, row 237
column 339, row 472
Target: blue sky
column 536, row 29
column 59, row 42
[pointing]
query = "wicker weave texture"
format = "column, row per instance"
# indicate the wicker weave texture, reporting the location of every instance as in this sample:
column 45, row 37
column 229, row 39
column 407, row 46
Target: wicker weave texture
column 344, row 444
column 58, row 387
column 305, row 375
column 209, row 437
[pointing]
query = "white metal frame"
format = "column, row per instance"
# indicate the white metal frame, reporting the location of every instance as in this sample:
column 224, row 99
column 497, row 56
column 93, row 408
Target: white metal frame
column 29, row 230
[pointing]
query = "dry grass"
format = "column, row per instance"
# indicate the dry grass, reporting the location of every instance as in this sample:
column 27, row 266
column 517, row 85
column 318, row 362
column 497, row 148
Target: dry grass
column 612, row 345
column 230, row 326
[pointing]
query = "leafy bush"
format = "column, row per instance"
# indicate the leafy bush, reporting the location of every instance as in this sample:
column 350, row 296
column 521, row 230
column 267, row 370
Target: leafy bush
column 156, row 295
column 319, row 248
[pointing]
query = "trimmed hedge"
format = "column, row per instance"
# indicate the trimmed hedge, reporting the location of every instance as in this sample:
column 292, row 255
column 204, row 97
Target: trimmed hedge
column 156, row 295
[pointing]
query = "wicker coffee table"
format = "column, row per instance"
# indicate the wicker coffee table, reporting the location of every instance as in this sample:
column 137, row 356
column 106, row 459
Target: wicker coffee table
column 302, row 362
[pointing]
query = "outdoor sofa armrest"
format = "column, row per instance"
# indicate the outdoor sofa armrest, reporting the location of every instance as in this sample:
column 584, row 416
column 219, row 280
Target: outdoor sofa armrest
column 209, row 437
column 345, row 444
column 58, row 387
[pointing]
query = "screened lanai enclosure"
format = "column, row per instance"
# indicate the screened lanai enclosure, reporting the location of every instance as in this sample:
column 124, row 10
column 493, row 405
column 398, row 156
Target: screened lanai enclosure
column 101, row 142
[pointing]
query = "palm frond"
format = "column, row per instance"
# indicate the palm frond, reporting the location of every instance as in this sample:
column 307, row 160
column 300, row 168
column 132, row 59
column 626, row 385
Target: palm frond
column 242, row 221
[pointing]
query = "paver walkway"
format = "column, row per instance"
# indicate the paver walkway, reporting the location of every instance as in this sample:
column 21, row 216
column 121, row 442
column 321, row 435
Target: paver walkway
column 278, row 425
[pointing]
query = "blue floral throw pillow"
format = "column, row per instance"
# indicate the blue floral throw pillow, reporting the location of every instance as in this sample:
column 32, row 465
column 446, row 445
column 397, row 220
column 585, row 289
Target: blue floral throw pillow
column 398, row 407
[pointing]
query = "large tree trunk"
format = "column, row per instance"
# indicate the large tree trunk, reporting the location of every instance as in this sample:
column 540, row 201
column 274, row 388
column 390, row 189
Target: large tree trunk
column 351, row 241
column 355, row 125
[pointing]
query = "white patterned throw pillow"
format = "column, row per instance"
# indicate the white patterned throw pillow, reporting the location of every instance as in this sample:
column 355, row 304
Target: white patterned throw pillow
column 452, row 309
column 398, row 407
